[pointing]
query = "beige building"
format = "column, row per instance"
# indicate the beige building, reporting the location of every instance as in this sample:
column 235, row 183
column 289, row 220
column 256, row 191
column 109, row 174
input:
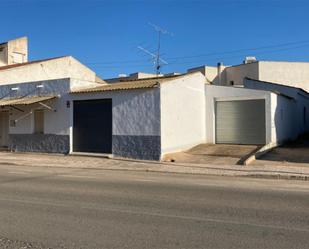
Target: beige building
column 14, row 51
column 294, row 74
column 138, row 76
column 15, row 67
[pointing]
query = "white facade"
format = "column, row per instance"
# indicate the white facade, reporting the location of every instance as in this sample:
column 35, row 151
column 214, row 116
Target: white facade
column 182, row 113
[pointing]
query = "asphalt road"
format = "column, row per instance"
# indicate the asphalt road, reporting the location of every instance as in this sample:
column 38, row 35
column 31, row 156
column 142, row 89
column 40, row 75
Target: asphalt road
column 77, row 208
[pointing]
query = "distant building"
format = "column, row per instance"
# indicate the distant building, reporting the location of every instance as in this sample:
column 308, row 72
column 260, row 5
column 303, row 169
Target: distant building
column 137, row 76
column 14, row 51
column 294, row 74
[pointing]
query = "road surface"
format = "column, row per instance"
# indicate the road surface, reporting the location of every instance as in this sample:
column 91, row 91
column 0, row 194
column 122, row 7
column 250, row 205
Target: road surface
column 86, row 208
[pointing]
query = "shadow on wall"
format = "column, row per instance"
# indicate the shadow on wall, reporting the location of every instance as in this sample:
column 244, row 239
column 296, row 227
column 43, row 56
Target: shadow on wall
column 286, row 120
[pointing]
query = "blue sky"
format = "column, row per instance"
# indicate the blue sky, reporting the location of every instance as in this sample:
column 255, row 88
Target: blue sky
column 105, row 35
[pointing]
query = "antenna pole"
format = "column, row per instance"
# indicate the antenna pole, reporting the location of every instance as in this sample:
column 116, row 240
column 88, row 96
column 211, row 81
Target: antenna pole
column 158, row 53
column 157, row 60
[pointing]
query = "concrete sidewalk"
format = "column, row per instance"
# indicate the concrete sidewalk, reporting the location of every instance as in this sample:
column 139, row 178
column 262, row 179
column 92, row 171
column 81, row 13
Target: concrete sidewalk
column 51, row 160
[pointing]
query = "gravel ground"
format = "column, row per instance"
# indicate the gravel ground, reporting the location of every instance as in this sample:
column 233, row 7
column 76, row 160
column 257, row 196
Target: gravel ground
column 16, row 244
column 6, row 243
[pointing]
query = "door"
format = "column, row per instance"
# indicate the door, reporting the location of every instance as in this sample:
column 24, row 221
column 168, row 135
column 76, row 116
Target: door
column 240, row 122
column 4, row 129
column 92, row 126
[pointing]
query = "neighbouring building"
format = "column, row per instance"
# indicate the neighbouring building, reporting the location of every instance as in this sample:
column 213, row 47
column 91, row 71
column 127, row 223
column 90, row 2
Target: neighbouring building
column 59, row 105
column 14, row 51
column 281, row 72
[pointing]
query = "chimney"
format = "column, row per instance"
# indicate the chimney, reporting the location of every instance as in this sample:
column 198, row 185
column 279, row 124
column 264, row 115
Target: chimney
column 14, row 51
column 219, row 72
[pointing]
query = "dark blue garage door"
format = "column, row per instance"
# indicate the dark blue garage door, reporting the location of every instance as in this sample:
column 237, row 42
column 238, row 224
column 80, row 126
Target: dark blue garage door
column 92, row 126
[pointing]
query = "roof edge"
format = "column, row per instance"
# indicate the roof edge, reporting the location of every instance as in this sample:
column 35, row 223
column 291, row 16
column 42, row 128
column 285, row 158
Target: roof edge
column 278, row 84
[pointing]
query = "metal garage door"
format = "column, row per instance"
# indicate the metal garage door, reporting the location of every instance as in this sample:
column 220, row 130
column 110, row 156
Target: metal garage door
column 92, row 126
column 240, row 122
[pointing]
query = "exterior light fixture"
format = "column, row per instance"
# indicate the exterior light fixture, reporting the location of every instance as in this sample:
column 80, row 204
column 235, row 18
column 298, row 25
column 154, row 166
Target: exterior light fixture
column 68, row 104
column 14, row 88
column 39, row 86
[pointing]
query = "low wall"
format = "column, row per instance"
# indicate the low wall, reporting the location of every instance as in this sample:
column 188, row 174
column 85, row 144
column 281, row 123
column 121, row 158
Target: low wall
column 46, row 143
column 137, row 147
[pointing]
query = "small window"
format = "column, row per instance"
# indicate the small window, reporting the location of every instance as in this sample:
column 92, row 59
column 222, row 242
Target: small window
column 39, row 121
column 232, row 83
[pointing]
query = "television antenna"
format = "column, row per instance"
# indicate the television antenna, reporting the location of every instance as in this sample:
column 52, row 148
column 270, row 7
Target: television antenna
column 158, row 61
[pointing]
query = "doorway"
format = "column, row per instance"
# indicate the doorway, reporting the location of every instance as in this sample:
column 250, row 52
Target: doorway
column 4, row 129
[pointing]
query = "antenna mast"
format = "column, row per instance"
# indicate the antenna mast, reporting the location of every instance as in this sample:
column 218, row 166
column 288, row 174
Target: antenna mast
column 156, row 57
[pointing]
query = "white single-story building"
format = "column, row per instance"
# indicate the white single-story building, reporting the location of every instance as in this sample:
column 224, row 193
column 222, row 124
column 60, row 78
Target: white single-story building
column 139, row 119
column 148, row 118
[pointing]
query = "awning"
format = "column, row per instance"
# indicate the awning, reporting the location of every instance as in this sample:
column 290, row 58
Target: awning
column 25, row 100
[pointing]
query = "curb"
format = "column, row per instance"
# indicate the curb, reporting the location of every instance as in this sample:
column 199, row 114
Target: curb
column 190, row 170
column 260, row 152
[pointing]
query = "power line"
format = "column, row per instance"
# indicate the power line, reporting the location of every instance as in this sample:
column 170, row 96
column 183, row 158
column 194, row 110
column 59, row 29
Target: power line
column 207, row 54
column 203, row 60
column 242, row 50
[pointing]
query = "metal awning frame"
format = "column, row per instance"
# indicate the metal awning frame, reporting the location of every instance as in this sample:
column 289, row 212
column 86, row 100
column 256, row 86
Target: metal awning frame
column 29, row 113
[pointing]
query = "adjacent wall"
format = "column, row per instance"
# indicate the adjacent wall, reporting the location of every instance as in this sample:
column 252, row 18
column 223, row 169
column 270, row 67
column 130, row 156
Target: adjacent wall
column 182, row 113
column 289, row 118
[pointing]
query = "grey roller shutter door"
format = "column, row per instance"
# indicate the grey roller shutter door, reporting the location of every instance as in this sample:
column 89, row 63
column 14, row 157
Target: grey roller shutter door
column 240, row 122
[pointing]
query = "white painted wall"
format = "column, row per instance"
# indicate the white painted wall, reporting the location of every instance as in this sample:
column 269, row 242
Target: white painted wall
column 54, row 122
column 182, row 113
column 214, row 93
column 284, row 114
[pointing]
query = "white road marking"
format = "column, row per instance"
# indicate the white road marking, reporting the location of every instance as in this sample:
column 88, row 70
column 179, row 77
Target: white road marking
column 19, row 172
column 143, row 180
column 80, row 176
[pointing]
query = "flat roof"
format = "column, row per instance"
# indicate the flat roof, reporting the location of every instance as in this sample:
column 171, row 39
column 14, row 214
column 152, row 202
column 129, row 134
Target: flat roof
column 28, row 63
column 277, row 84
